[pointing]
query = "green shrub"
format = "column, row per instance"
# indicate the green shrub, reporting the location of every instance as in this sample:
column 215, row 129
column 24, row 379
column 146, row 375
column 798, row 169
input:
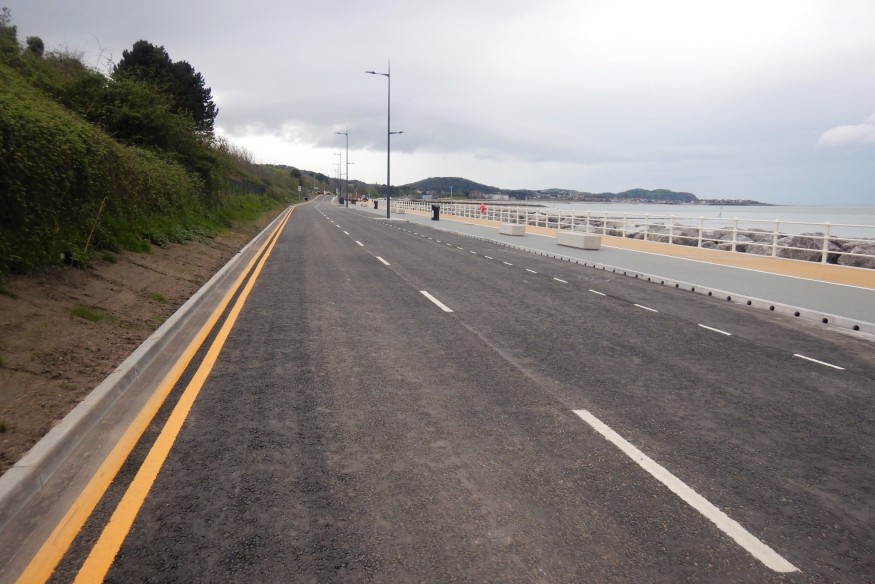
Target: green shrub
column 90, row 163
column 69, row 188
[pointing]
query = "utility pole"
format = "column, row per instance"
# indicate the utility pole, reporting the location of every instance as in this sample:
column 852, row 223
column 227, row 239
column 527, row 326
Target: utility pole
column 346, row 196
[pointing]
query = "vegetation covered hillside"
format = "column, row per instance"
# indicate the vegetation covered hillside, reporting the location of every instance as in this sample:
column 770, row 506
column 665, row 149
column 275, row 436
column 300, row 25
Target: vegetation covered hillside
column 92, row 161
column 462, row 187
column 456, row 185
column 658, row 195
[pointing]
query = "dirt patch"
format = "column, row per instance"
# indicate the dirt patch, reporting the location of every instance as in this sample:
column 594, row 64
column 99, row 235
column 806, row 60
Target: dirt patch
column 64, row 331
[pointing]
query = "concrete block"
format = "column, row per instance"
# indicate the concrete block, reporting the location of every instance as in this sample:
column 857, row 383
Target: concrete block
column 580, row 240
column 512, row 229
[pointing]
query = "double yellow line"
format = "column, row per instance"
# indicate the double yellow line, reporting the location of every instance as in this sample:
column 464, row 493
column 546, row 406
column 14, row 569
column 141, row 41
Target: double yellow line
column 107, row 546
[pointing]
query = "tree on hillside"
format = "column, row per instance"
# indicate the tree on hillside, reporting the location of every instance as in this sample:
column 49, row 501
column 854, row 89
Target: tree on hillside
column 145, row 62
column 6, row 21
column 193, row 97
column 8, row 33
column 35, row 46
column 179, row 80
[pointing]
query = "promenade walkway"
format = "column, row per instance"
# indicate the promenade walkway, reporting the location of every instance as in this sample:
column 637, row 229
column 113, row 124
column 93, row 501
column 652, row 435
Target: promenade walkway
column 843, row 296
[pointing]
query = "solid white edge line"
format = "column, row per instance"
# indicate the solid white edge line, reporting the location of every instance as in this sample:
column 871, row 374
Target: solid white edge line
column 359, row 242
column 710, row 328
column 437, row 302
column 769, row 557
column 597, row 292
column 818, row 362
column 646, row 308
column 558, row 280
column 382, row 260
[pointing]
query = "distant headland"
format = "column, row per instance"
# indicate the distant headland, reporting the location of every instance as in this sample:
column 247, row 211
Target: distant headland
column 439, row 187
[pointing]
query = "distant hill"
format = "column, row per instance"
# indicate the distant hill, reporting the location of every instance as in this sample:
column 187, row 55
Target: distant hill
column 460, row 186
column 464, row 187
column 658, row 195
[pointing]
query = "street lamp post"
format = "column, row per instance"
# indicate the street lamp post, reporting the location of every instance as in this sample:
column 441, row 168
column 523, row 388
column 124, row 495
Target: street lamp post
column 346, row 196
column 389, row 133
column 337, row 186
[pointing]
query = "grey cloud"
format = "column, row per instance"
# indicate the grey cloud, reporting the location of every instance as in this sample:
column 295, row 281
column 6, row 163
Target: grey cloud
column 584, row 94
column 850, row 135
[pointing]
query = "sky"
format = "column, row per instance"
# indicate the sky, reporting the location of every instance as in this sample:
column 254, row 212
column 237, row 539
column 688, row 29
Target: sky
column 771, row 100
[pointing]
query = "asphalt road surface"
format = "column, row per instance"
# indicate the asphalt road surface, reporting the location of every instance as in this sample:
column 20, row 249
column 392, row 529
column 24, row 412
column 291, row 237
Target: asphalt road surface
column 398, row 404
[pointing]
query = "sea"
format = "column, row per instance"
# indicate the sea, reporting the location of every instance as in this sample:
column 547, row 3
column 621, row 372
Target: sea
column 846, row 221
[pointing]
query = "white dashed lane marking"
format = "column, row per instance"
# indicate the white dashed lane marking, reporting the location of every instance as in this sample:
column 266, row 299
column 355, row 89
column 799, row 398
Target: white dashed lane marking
column 818, row 362
column 437, row 302
column 727, row 525
column 715, row 330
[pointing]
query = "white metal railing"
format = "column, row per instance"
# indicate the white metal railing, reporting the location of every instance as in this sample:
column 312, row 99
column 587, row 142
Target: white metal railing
column 819, row 242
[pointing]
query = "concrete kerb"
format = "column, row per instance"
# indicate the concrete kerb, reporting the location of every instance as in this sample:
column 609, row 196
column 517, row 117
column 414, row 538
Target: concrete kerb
column 812, row 316
column 30, row 474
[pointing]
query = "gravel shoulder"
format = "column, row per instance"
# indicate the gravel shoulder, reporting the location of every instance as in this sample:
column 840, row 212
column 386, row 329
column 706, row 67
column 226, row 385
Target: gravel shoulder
column 63, row 331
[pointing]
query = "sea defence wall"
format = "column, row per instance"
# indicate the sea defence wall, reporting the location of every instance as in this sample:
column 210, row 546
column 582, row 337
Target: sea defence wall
column 813, row 242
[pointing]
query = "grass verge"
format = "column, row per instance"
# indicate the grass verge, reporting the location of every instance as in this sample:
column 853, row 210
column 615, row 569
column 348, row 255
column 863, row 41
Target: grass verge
column 91, row 314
